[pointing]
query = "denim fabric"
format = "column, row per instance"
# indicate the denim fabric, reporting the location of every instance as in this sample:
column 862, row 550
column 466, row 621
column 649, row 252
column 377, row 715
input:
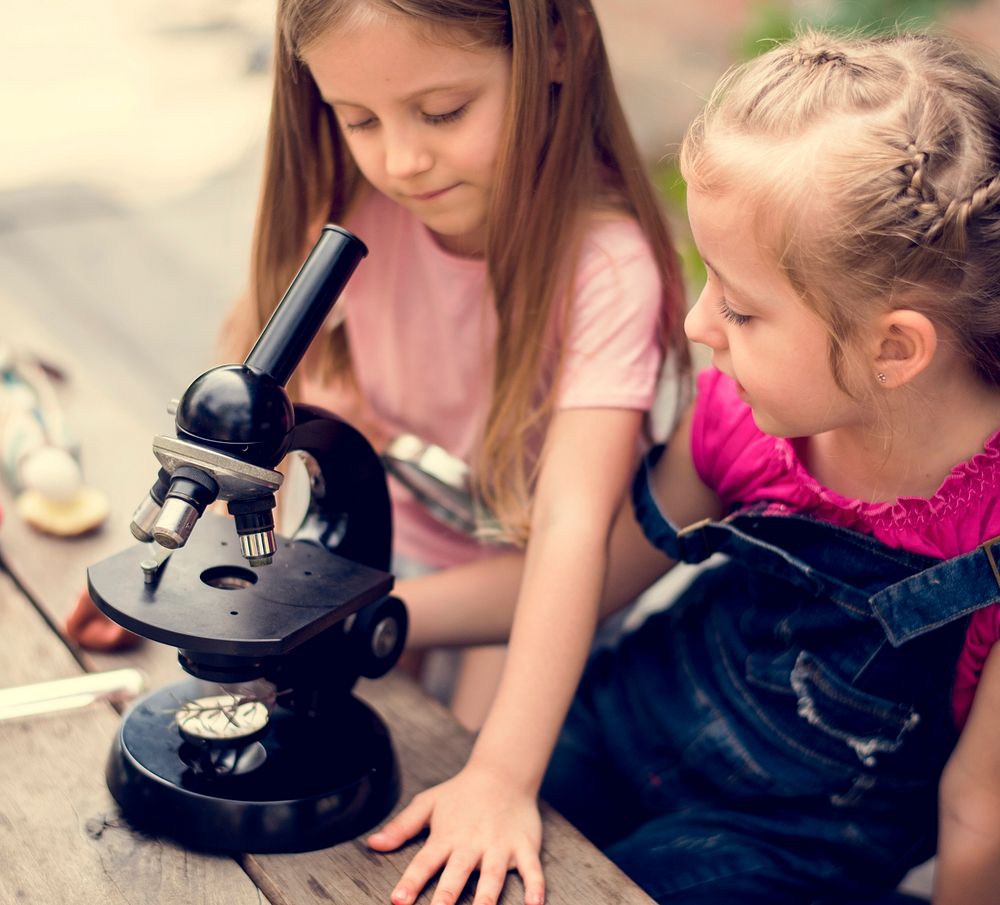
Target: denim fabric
column 776, row 735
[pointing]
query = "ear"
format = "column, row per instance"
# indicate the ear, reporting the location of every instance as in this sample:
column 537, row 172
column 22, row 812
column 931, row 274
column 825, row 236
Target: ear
column 586, row 27
column 907, row 342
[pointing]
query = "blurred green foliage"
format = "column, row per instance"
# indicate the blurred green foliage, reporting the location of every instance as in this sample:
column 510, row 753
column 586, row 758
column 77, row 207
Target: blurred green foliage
column 673, row 190
column 771, row 22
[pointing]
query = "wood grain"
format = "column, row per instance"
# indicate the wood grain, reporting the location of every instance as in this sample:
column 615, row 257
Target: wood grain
column 62, row 838
column 431, row 747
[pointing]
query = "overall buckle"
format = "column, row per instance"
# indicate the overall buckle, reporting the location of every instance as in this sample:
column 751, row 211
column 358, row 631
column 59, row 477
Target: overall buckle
column 987, row 548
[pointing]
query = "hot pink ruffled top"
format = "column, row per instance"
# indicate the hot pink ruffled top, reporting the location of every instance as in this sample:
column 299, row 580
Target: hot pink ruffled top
column 744, row 465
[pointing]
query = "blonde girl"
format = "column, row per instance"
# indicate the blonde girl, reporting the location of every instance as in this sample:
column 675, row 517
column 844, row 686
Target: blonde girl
column 817, row 712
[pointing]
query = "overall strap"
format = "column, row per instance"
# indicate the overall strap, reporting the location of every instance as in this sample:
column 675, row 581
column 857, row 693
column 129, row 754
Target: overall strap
column 948, row 590
column 908, row 593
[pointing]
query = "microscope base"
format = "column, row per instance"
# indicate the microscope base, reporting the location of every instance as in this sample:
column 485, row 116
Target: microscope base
column 308, row 783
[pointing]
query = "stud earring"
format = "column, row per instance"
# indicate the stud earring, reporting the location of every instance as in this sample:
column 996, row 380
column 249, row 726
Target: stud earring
column 881, row 377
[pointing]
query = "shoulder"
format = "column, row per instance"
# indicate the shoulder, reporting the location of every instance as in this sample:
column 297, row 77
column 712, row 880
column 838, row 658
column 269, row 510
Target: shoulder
column 613, row 328
column 962, row 514
column 616, row 284
column 615, row 246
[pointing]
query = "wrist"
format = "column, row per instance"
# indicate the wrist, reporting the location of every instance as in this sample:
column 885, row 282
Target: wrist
column 523, row 773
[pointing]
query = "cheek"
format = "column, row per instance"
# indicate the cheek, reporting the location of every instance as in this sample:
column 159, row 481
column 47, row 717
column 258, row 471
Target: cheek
column 480, row 145
column 479, row 153
column 364, row 154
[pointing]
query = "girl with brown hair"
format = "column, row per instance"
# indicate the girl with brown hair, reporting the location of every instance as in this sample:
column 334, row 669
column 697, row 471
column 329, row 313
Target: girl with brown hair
column 516, row 308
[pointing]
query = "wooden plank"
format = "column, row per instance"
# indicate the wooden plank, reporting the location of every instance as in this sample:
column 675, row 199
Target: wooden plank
column 60, row 833
column 431, row 746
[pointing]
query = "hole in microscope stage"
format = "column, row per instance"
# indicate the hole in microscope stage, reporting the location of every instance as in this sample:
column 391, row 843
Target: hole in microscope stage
column 228, row 578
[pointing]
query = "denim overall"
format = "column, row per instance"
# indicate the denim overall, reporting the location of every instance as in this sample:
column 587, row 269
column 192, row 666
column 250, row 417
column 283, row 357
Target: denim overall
column 777, row 734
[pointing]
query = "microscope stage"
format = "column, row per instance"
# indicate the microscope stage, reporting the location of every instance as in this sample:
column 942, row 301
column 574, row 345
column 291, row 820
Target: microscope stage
column 205, row 598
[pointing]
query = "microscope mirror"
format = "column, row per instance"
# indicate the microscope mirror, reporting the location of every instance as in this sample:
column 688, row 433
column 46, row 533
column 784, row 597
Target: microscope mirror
column 221, row 719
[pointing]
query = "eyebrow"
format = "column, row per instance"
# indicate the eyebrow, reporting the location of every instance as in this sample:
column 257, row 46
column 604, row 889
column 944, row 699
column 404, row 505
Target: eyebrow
column 422, row 92
column 740, row 291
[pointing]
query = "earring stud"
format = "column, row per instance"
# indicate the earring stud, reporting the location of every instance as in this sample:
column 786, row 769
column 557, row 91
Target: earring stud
column 881, row 377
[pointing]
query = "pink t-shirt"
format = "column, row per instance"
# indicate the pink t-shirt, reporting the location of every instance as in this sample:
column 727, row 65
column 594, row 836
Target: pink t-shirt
column 421, row 326
column 743, row 465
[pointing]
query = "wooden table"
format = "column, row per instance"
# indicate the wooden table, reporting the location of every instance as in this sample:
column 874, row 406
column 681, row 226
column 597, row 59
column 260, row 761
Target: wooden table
column 61, row 836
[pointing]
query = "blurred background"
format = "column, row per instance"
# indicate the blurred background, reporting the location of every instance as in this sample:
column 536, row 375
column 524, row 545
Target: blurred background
column 133, row 132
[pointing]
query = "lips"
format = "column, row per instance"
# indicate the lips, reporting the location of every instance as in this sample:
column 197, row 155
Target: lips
column 430, row 196
column 740, row 391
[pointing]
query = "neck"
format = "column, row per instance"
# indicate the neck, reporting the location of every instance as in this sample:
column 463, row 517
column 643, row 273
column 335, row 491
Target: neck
column 909, row 447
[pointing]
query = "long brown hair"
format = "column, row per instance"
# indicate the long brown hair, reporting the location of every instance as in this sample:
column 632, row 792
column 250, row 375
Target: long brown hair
column 876, row 162
column 572, row 149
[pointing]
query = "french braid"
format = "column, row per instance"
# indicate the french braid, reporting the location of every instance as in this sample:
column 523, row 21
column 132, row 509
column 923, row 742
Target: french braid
column 875, row 167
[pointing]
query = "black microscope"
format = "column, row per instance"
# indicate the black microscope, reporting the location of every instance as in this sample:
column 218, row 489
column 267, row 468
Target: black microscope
column 265, row 748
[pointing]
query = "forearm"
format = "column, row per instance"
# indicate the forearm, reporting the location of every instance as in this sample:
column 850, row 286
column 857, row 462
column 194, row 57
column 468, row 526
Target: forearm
column 549, row 644
column 474, row 603
column 463, row 605
column 968, row 864
column 968, row 867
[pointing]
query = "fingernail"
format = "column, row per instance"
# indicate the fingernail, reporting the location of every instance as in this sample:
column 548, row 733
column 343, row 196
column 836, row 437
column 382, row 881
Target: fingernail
column 401, row 896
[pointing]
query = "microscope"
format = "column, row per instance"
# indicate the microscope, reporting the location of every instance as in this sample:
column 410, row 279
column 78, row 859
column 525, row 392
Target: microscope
column 264, row 748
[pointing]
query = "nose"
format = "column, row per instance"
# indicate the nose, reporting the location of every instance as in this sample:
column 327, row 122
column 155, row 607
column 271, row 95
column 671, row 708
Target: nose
column 406, row 155
column 703, row 323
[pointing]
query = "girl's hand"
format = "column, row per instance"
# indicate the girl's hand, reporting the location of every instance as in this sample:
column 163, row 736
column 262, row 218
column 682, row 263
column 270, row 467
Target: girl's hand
column 477, row 820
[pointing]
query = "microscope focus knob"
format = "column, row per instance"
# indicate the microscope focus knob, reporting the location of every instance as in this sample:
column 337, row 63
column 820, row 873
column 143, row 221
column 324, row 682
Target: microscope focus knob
column 380, row 633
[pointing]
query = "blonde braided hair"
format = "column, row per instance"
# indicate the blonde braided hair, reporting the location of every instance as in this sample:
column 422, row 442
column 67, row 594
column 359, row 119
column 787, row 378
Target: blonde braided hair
column 873, row 166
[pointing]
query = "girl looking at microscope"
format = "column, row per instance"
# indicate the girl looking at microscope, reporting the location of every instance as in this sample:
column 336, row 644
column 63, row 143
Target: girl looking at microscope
column 518, row 300
column 818, row 710
column 522, row 287
column 516, row 308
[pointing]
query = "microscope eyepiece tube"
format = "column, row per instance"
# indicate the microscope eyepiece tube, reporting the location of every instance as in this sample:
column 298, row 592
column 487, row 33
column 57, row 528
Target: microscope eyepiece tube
column 306, row 303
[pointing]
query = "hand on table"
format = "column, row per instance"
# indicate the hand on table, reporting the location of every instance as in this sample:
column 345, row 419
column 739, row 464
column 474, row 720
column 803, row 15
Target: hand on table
column 91, row 629
column 477, row 821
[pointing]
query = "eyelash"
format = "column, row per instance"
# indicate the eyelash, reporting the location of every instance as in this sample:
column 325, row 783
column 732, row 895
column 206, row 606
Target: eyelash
column 438, row 119
column 434, row 119
column 740, row 320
